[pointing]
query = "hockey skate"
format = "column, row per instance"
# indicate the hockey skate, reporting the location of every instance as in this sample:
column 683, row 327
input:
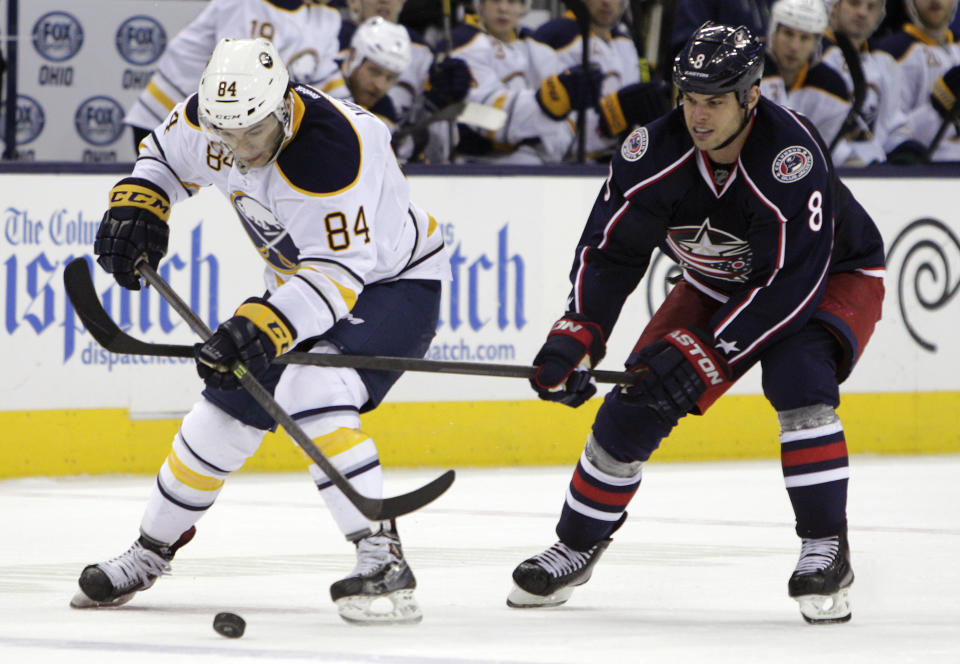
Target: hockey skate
column 548, row 578
column 381, row 576
column 116, row 581
column 821, row 582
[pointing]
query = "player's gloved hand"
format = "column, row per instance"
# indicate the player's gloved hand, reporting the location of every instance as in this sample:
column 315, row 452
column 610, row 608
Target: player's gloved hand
column 449, row 82
column 634, row 104
column 944, row 93
column 908, row 153
column 573, row 344
column 568, row 90
column 134, row 225
column 255, row 335
column 677, row 371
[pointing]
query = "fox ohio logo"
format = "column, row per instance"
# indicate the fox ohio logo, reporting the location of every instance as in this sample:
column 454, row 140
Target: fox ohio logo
column 30, row 118
column 57, row 36
column 99, row 120
column 792, row 164
column 141, row 40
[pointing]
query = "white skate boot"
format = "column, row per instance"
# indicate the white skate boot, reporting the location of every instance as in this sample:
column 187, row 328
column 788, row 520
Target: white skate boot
column 822, row 580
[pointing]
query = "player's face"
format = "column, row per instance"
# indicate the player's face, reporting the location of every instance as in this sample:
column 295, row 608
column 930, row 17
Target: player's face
column 369, row 82
column 256, row 145
column 712, row 119
column 500, row 17
column 388, row 9
column 605, row 13
column 859, row 18
column 935, row 14
column 792, row 48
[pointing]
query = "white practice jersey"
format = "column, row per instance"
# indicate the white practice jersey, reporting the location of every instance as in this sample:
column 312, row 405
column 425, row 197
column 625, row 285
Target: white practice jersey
column 305, row 37
column 884, row 125
column 616, row 57
column 819, row 93
column 507, row 75
column 330, row 216
column 923, row 61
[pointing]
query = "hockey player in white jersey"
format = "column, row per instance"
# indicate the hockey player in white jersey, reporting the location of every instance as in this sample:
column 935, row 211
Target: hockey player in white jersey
column 352, row 265
column 882, row 131
column 793, row 76
column 304, row 32
column 379, row 54
column 929, row 57
column 625, row 100
column 508, row 67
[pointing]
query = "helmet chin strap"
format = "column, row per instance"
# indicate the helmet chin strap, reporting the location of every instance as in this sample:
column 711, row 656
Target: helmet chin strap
column 733, row 137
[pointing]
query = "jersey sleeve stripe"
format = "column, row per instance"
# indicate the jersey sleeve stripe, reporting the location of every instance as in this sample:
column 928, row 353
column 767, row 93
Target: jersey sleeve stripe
column 320, row 294
column 328, row 261
column 614, row 220
column 660, row 175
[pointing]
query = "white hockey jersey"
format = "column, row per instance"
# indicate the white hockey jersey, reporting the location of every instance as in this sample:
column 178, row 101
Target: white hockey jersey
column 330, row 216
column 923, row 61
column 884, row 125
column 507, row 75
column 819, row 93
column 305, row 37
column 616, row 57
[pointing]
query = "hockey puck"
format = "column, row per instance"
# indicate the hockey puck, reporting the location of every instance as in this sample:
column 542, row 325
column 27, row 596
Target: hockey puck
column 229, row 625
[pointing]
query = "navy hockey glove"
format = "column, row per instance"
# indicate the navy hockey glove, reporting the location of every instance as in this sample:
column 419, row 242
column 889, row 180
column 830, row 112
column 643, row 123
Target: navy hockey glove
column 944, row 93
column 134, row 225
column 561, row 93
column 255, row 335
column 908, row 153
column 634, row 104
column 449, row 82
column 574, row 343
column 678, row 370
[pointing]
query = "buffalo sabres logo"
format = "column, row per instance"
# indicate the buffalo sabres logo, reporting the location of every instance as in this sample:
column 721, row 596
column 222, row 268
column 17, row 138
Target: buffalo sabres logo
column 269, row 236
column 792, row 164
column 266, row 60
column 711, row 252
column 635, row 145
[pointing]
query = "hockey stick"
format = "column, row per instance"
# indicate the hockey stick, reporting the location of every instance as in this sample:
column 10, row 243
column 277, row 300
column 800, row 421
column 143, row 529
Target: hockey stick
column 852, row 58
column 582, row 14
column 953, row 120
column 79, row 285
column 665, row 45
column 98, row 322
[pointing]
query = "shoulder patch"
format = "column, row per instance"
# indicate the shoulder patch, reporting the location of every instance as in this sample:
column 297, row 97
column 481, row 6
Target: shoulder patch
column 324, row 157
column 346, row 34
column 190, row 111
column 825, row 77
column 462, row 35
column 635, row 145
column 558, row 33
column 288, row 5
column 897, row 44
column 792, row 164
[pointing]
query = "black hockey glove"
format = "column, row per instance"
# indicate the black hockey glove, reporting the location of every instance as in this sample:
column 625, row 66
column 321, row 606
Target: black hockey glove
column 944, row 93
column 449, row 82
column 677, row 371
column 635, row 104
column 561, row 93
column 908, row 153
column 133, row 226
column 574, row 343
column 255, row 335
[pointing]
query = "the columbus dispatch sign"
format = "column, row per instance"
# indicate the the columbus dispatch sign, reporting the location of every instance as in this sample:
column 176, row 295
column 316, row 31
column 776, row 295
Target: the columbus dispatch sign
column 82, row 64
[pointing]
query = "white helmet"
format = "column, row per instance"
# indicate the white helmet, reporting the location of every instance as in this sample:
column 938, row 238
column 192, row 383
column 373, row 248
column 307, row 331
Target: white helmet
column 244, row 82
column 380, row 41
column 806, row 15
column 911, row 8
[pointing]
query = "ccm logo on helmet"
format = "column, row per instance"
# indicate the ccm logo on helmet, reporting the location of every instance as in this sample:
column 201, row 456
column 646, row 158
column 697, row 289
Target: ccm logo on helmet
column 692, row 348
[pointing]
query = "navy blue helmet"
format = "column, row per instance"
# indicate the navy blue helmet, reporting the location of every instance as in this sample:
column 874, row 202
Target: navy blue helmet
column 719, row 59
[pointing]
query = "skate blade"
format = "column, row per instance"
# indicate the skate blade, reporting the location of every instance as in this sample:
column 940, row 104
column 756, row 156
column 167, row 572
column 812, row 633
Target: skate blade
column 521, row 599
column 825, row 609
column 359, row 609
column 81, row 601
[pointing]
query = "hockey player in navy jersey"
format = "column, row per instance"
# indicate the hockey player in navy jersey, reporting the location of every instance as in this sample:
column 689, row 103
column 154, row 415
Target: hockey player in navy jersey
column 781, row 267
column 351, row 265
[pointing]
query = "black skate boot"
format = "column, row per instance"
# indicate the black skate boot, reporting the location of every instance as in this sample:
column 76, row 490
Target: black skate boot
column 381, row 573
column 548, row 578
column 116, row 581
column 822, row 580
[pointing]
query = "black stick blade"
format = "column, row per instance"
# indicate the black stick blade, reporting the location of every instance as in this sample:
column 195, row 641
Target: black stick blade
column 390, row 508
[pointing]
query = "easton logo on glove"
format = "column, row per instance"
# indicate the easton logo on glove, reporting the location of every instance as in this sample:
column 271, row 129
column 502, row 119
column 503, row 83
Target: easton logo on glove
column 690, row 346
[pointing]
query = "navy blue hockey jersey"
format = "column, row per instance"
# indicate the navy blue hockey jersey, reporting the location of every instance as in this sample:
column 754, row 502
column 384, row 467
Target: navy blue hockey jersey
column 761, row 237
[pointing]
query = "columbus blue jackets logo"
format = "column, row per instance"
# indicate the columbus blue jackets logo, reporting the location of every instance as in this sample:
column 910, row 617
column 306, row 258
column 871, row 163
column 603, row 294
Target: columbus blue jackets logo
column 710, row 252
column 792, row 164
column 99, row 120
column 141, row 40
column 267, row 234
column 635, row 145
column 30, row 118
column 57, row 36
